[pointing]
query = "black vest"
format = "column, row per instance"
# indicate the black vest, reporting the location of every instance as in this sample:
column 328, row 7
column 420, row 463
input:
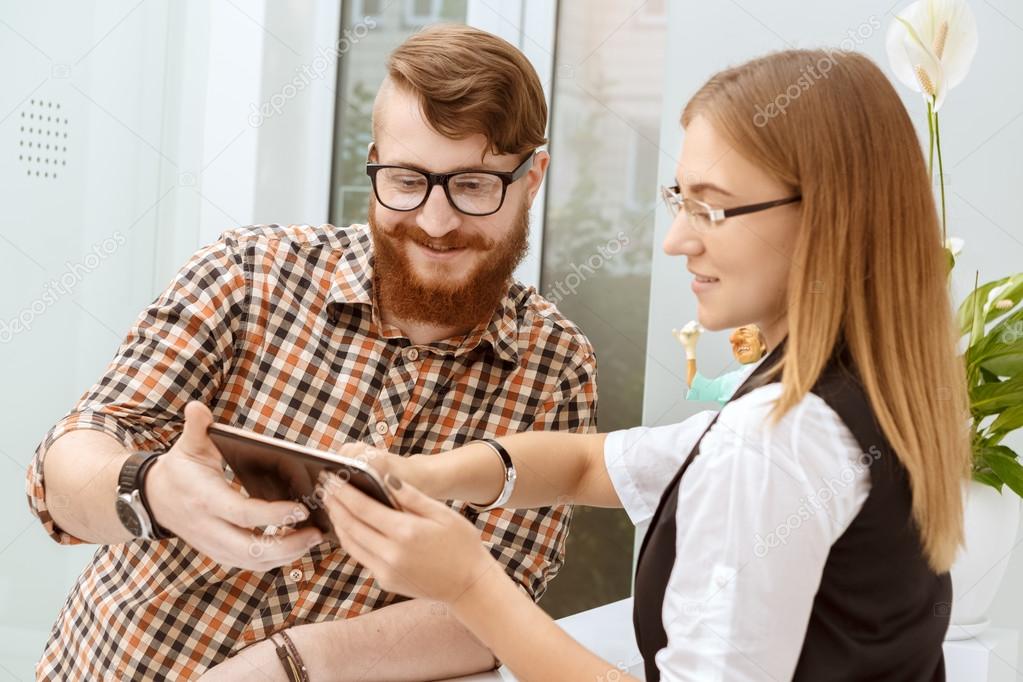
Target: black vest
column 880, row 612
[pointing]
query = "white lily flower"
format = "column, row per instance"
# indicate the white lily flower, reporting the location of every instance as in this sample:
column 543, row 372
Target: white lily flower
column 931, row 45
column 954, row 245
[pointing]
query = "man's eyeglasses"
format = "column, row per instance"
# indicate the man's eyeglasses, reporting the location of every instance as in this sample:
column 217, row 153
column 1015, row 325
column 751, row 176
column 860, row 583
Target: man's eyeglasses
column 473, row 192
column 703, row 217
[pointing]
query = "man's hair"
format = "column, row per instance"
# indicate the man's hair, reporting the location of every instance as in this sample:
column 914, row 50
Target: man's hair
column 471, row 82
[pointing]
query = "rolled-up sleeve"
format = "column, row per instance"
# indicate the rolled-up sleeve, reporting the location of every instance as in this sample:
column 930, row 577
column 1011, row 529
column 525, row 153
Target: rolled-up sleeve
column 179, row 349
column 642, row 461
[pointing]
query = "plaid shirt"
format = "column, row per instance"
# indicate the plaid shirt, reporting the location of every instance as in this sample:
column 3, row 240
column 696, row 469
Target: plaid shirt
column 275, row 328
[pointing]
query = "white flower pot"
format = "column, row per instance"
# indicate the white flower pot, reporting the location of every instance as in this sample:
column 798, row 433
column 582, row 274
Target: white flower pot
column 991, row 521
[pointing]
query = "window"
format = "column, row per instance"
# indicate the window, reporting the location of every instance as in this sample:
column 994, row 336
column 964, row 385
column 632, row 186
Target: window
column 601, row 199
column 360, row 71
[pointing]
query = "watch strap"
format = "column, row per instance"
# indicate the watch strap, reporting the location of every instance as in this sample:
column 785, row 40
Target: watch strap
column 159, row 532
column 132, row 477
column 129, row 471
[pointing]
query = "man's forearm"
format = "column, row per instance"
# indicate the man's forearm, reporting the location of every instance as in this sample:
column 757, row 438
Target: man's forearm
column 80, row 472
column 410, row 640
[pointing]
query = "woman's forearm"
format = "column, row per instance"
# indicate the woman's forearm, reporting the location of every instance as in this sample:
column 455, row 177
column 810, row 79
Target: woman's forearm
column 523, row 637
column 551, row 468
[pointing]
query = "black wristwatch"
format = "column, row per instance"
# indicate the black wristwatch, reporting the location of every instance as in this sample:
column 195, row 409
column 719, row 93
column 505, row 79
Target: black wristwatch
column 132, row 506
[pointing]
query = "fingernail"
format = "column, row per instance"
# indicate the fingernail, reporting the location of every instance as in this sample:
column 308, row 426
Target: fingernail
column 301, row 514
column 393, row 481
column 316, row 540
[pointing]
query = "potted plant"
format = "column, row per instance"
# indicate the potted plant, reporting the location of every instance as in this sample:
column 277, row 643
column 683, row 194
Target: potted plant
column 931, row 44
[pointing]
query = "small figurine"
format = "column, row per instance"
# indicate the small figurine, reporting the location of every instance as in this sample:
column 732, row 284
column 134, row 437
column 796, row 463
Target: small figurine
column 748, row 346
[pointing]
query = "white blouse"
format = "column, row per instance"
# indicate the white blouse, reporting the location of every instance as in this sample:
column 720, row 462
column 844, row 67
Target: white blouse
column 758, row 511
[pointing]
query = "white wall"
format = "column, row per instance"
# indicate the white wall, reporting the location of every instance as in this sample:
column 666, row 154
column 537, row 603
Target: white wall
column 982, row 137
column 77, row 253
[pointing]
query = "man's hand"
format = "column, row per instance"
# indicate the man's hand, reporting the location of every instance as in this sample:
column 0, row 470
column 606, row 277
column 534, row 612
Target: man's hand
column 258, row 661
column 189, row 496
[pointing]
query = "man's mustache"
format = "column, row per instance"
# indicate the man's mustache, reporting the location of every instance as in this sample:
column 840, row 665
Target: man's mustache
column 452, row 240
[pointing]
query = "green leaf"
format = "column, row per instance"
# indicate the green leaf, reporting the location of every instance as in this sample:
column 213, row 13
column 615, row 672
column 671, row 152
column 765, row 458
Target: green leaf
column 977, row 331
column 1013, row 292
column 1006, row 466
column 987, row 478
column 1005, row 335
column 1007, row 363
column 1008, row 421
column 966, row 309
column 988, row 376
column 992, row 398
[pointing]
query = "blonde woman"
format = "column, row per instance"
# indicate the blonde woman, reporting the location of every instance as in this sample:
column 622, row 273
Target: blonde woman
column 806, row 530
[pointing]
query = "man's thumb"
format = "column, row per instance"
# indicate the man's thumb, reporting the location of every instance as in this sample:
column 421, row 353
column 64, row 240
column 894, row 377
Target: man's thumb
column 194, row 439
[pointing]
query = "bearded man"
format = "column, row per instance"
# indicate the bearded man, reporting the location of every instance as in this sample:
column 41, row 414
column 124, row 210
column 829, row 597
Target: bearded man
column 410, row 335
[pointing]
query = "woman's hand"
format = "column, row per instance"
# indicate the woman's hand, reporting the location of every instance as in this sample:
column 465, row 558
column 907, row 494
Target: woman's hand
column 427, row 550
column 414, row 469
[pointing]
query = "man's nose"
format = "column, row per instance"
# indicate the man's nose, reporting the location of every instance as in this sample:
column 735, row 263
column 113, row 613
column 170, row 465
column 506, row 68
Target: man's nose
column 437, row 216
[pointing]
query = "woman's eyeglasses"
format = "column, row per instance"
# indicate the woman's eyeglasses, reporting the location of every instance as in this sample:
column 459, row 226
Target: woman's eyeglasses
column 703, row 216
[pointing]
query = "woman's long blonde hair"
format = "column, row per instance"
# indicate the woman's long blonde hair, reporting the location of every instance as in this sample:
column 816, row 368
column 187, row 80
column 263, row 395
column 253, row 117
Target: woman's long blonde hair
column 868, row 266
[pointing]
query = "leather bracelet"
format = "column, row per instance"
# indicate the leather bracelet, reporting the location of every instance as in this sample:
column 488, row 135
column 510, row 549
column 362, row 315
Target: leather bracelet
column 291, row 668
column 295, row 659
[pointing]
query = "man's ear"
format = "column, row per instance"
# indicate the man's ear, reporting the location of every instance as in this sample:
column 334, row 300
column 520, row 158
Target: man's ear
column 371, row 152
column 535, row 175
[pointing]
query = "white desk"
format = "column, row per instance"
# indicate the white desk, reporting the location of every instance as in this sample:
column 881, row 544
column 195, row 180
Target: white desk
column 607, row 631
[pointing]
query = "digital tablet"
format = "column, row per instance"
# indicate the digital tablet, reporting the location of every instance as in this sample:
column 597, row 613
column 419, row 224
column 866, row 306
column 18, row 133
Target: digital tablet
column 275, row 469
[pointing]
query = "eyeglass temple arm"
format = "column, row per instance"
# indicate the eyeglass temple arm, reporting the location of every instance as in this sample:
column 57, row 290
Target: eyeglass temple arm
column 752, row 208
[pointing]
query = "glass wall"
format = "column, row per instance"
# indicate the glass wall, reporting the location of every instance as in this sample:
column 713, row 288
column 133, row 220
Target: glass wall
column 601, row 195
column 380, row 26
column 601, row 199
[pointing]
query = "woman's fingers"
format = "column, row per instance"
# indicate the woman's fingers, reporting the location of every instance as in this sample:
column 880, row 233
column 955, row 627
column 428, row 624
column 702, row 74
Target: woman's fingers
column 352, row 522
column 383, row 553
column 414, row 500
column 364, row 507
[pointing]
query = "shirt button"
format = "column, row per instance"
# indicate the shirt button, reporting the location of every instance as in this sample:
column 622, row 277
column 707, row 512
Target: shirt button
column 412, row 355
column 381, row 427
column 296, row 574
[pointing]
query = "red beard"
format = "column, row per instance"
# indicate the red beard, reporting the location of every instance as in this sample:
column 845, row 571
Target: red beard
column 404, row 294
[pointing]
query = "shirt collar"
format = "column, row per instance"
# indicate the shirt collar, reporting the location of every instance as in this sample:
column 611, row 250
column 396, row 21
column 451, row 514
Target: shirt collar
column 352, row 283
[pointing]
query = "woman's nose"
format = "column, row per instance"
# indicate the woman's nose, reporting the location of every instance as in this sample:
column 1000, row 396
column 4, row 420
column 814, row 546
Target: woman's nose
column 682, row 239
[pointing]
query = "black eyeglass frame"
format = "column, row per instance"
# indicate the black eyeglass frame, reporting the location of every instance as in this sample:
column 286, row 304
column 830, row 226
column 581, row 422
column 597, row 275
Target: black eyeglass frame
column 672, row 196
column 442, row 179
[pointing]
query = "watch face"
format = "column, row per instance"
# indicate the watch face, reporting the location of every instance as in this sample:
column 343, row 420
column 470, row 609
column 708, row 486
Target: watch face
column 128, row 517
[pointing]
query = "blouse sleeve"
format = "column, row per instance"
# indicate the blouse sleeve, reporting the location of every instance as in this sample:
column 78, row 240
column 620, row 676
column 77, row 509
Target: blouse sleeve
column 641, row 461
